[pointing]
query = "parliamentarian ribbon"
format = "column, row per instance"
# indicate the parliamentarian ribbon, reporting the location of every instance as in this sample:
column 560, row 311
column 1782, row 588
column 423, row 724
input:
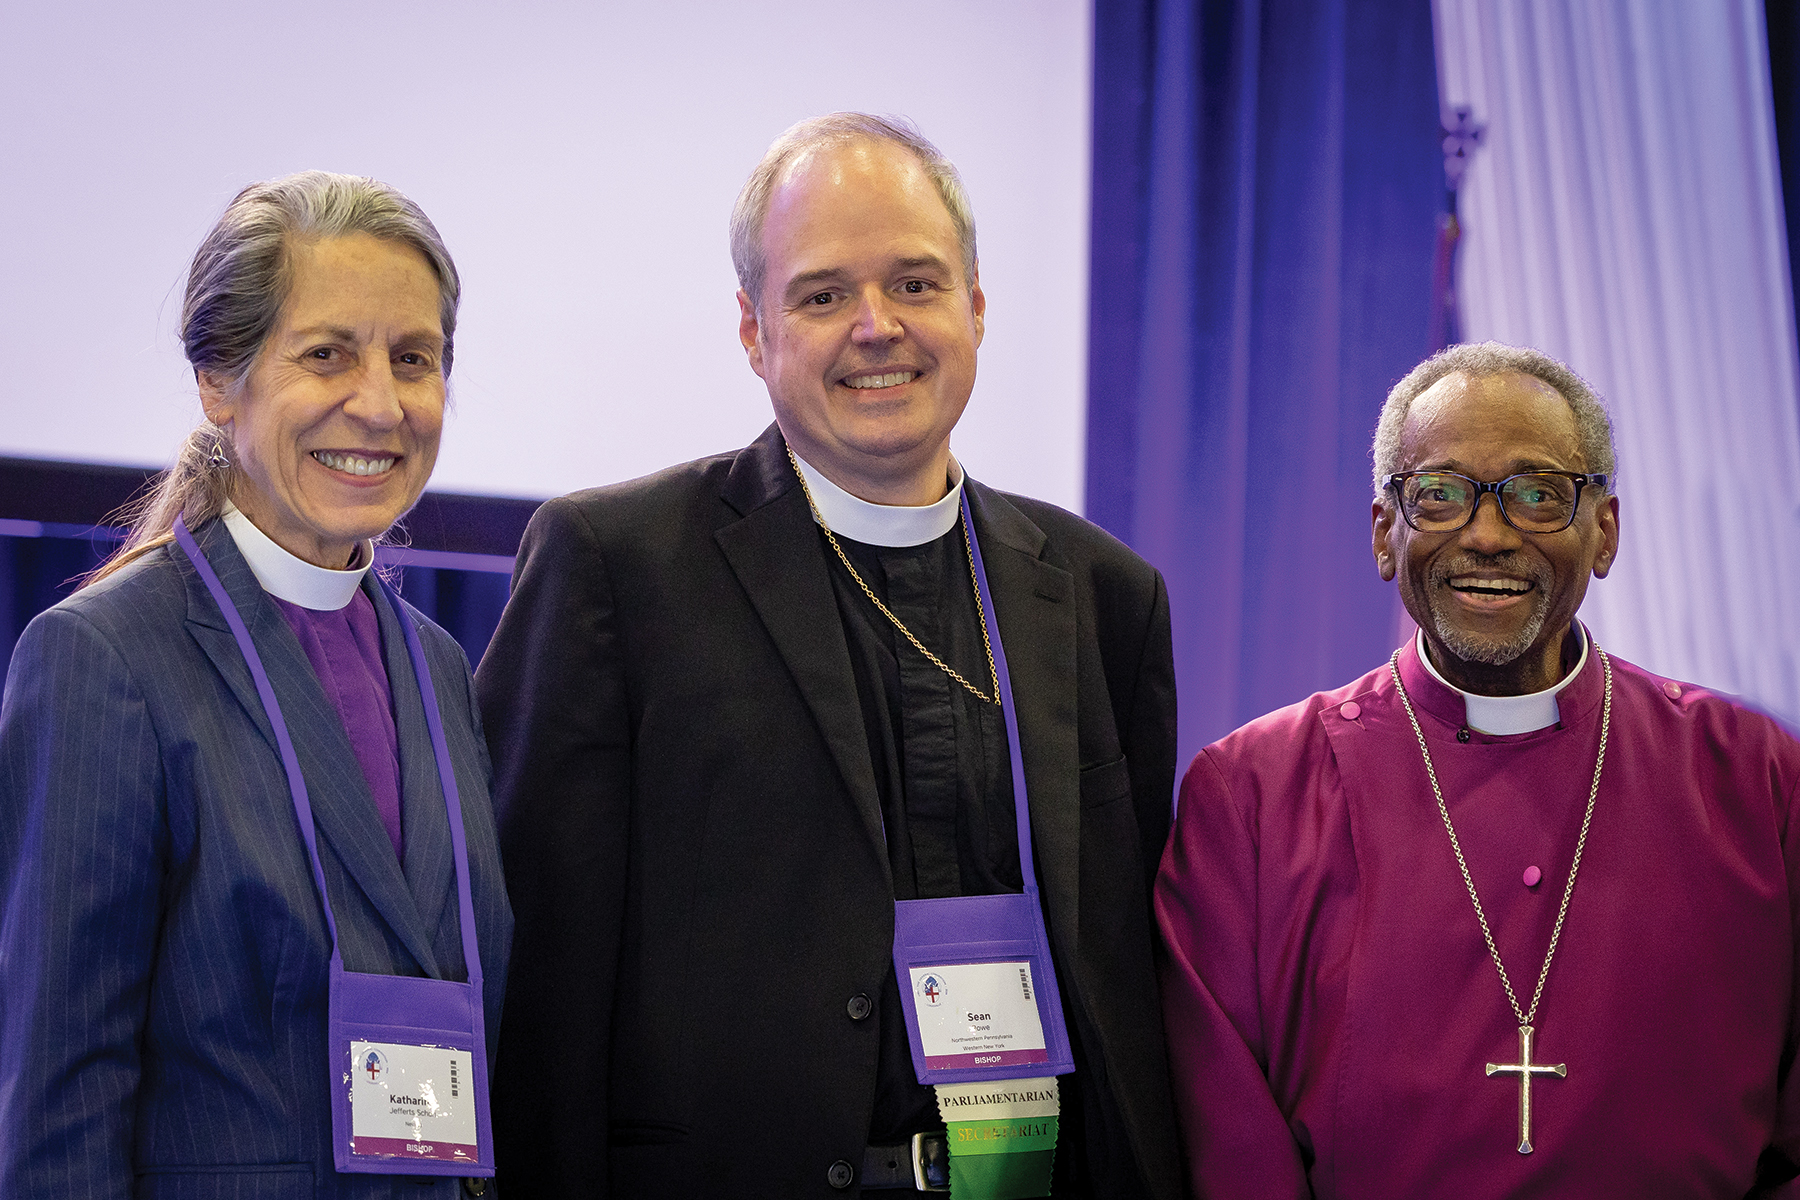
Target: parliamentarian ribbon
column 1002, row 1134
column 1002, row 1137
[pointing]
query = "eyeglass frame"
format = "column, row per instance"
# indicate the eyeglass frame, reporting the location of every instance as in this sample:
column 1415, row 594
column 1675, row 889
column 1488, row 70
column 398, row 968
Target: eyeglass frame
column 1580, row 480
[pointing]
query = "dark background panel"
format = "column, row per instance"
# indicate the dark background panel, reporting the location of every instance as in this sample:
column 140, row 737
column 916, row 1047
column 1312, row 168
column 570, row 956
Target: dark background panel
column 452, row 556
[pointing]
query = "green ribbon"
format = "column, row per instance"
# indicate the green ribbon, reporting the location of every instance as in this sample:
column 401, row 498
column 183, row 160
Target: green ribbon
column 1001, row 1160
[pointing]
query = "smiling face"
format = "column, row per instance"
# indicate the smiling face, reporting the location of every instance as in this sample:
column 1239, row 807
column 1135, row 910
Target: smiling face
column 867, row 327
column 1495, row 604
column 335, row 429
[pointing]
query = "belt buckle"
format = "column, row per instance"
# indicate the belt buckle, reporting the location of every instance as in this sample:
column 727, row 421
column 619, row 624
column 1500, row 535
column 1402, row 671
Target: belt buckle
column 931, row 1162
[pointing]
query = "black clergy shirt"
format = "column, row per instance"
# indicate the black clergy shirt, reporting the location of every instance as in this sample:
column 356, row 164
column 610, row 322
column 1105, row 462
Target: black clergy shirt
column 942, row 769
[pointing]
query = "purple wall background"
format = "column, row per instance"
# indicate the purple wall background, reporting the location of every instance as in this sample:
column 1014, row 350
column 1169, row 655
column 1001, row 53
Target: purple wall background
column 1267, row 183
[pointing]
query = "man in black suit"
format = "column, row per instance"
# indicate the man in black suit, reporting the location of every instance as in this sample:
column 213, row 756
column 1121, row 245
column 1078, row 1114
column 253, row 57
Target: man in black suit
column 719, row 762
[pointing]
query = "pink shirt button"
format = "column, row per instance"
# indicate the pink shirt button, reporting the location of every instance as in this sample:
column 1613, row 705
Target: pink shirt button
column 1672, row 690
column 1349, row 710
column 1533, row 876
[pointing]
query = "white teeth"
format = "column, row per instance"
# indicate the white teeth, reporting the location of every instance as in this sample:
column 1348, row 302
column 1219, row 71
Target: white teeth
column 1492, row 585
column 350, row 464
column 891, row 379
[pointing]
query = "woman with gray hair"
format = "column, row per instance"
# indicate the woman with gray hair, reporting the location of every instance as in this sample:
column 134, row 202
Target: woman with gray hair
column 254, row 932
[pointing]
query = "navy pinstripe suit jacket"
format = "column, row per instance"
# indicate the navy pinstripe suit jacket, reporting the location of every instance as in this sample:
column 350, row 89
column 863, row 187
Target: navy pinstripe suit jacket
column 163, row 952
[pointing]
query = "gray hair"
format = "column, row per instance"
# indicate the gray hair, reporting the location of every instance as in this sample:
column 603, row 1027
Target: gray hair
column 240, row 278
column 1481, row 360
column 838, row 129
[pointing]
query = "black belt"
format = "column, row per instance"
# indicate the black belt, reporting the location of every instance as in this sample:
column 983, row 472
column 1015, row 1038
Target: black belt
column 921, row 1165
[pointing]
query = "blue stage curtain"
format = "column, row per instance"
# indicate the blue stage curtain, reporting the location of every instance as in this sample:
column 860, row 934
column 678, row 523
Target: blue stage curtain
column 1267, row 180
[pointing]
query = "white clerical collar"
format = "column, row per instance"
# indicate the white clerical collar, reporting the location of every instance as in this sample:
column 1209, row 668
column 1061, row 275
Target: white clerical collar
column 1500, row 715
column 883, row 524
column 289, row 577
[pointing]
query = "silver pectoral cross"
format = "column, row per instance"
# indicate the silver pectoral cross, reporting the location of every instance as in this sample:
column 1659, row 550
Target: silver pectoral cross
column 1525, row 1069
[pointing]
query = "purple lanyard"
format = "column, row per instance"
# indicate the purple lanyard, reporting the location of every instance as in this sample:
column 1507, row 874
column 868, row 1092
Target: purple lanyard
column 291, row 761
column 1021, row 808
column 1008, row 927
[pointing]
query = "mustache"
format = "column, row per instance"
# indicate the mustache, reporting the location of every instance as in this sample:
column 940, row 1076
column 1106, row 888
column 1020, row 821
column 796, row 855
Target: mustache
column 1513, row 563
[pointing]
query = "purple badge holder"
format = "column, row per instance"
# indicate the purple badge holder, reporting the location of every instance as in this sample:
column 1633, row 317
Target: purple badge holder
column 384, row 1008
column 974, row 929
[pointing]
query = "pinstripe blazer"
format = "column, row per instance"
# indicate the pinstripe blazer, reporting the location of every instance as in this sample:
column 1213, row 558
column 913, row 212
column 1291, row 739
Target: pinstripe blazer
column 163, row 953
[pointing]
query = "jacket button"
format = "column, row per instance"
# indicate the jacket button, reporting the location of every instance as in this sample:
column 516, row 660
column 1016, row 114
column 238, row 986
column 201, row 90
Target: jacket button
column 859, row 1007
column 839, row 1175
column 475, row 1186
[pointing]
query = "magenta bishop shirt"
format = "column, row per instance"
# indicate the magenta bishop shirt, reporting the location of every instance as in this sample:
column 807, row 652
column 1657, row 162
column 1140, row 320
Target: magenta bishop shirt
column 344, row 648
column 1331, row 1007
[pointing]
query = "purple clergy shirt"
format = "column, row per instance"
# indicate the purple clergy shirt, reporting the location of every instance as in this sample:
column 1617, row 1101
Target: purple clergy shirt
column 344, row 648
column 1331, row 1006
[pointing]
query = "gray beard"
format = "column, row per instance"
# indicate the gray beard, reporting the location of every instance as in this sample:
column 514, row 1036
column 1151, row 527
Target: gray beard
column 1472, row 647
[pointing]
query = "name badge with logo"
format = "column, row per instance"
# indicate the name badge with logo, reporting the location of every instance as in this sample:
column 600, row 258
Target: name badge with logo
column 978, row 1015
column 409, row 1088
column 978, row 989
column 413, row 1101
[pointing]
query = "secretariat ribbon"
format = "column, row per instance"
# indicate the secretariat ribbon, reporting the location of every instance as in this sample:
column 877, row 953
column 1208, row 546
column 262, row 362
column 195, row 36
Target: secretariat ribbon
column 1002, row 1137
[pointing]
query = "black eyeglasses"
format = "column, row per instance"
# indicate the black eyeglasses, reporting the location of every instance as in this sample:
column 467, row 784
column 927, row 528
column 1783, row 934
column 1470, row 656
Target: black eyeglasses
column 1535, row 502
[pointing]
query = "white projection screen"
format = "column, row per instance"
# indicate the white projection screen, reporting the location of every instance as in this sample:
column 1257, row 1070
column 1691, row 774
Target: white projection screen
column 581, row 161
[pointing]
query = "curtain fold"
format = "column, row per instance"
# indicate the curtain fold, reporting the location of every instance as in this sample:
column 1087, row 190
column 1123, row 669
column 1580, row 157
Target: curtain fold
column 1267, row 180
column 1625, row 215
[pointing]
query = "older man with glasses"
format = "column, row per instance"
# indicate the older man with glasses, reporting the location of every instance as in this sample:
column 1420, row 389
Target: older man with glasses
column 1506, row 916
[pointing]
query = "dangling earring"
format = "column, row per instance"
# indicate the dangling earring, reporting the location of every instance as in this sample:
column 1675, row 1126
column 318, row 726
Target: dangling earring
column 218, row 460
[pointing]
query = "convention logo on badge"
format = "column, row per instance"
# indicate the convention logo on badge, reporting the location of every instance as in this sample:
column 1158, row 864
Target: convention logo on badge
column 931, row 990
column 374, row 1065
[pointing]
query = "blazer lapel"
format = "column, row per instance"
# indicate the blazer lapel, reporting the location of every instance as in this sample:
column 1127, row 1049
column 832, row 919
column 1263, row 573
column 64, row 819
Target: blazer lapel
column 430, row 862
column 206, row 624
column 1034, row 606
column 774, row 551
column 343, row 808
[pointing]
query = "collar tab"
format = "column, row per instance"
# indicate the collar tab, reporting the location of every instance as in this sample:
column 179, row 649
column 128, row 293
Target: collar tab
column 288, row 577
column 1499, row 716
column 884, row 524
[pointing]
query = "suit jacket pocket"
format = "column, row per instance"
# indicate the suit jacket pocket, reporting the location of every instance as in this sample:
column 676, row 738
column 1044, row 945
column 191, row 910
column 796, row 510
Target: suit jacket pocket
column 228, row 1181
column 645, row 1133
column 1105, row 783
column 651, row 1160
column 1113, row 879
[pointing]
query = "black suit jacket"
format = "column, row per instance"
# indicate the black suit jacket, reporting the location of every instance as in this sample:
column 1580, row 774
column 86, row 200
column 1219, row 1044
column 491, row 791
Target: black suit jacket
column 694, row 845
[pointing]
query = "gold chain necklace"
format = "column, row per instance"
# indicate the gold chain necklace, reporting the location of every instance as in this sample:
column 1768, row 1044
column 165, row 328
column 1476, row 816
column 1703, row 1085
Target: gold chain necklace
column 1524, row 1068
column 968, row 546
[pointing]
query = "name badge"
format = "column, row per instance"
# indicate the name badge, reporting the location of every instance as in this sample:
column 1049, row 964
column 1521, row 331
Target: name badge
column 410, row 1085
column 978, row 1015
column 978, row 990
column 413, row 1102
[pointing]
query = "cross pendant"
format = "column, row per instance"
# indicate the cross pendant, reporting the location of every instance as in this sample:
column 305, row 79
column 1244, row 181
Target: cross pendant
column 1525, row 1069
